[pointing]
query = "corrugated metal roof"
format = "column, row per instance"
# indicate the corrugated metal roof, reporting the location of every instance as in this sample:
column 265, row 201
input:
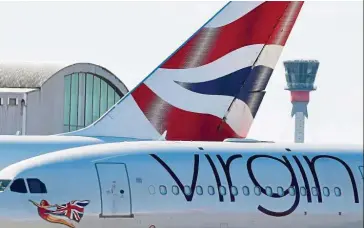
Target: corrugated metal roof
column 26, row 74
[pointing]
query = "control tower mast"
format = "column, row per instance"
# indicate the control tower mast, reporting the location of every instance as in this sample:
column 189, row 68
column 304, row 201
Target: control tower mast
column 300, row 76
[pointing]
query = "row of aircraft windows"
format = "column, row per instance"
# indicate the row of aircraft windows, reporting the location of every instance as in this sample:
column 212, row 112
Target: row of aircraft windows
column 246, row 191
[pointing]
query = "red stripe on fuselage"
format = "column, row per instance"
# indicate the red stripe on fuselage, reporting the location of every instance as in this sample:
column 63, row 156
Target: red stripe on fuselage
column 256, row 27
column 180, row 124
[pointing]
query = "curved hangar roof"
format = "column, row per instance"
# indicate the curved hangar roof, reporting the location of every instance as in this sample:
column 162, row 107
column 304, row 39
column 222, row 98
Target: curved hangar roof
column 34, row 75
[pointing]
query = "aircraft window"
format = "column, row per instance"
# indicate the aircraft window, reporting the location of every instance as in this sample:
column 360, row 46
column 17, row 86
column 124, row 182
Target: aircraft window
column 257, row 191
column 163, row 190
column 211, row 190
column 269, row 191
column 4, row 184
column 303, row 191
column 246, row 191
column 199, row 190
column 222, row 190
column 337, row 191
column 234, row 190
column 326, row 191
column 36, row 186
column 175, row 190
column 18, row 186
column 292, row 191
column 314, row 191
column 280, row 191
column 188, row 190
column 151, row 190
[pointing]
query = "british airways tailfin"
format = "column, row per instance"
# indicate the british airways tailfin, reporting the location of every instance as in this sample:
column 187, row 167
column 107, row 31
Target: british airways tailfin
column 211, row 87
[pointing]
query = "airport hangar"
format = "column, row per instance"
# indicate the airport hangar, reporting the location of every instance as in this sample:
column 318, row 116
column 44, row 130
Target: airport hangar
column 48, row 98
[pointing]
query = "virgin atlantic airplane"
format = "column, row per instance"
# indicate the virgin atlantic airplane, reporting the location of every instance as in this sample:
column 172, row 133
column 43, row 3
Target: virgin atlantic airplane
column 179, row 184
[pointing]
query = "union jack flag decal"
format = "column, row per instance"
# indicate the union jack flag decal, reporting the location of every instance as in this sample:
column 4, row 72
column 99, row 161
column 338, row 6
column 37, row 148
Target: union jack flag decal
column 72, row 210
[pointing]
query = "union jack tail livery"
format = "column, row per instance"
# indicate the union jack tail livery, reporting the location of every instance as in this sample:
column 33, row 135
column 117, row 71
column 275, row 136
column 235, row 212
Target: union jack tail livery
column 211, row 87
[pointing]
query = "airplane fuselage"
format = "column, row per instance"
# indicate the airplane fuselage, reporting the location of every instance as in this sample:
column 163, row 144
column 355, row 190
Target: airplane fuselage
column 166, row 184
column 16, row 148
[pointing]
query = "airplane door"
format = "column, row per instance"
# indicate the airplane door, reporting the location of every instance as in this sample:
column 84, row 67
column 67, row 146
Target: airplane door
column 114, row 190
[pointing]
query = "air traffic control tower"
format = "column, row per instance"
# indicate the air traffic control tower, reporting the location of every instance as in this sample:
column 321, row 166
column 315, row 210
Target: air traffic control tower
column 300, row 76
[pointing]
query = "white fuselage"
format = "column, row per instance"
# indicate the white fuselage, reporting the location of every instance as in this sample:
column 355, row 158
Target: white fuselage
column 17, row 148
column 191, row 184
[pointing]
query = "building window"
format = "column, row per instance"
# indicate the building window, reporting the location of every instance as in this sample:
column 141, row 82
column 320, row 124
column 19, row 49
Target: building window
column 86, row 98
column 89, row 97
column 110, row 96
column 12, row 101
column 103, row 97
column 96, row 99
column 1, row 101
column 74, row 102
column 67, row 103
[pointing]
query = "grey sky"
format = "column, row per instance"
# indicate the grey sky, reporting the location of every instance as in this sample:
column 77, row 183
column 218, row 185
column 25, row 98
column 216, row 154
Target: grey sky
column 132, row 38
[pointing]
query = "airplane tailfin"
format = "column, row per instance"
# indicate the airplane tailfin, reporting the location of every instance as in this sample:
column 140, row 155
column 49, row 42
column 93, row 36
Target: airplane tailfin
column 211, row 87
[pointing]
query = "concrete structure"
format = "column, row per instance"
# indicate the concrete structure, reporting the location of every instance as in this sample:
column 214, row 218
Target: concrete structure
column 43, row 98
column 300, row 76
